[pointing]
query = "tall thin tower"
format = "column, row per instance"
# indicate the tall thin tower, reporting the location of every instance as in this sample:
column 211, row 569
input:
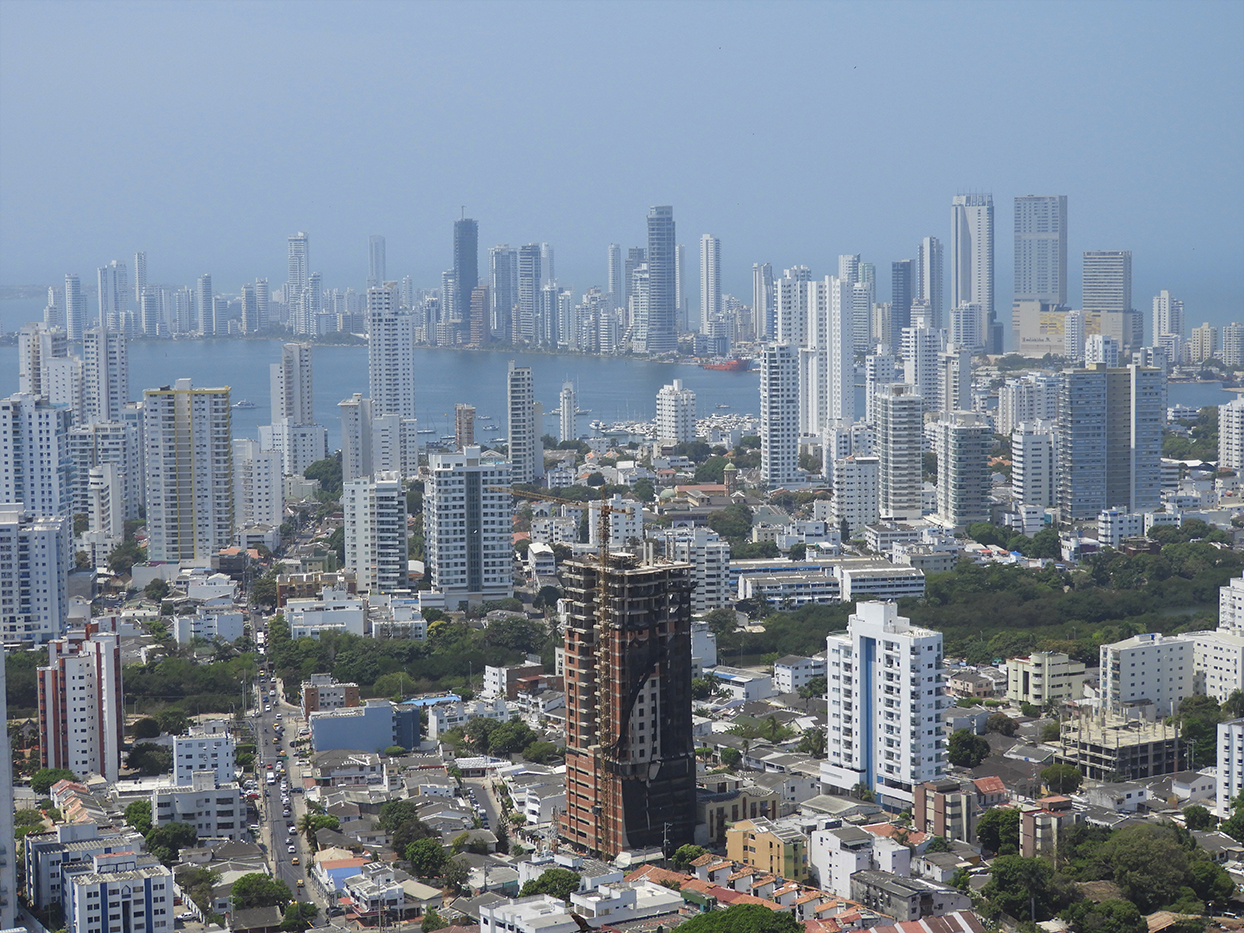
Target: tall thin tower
column 299, row 263
column 375, row 260
column 617, row 286
column 660, row 333
column 466, row 263
column 390, row 354
column 710, row 279
column 930, row 278
column 971, row 263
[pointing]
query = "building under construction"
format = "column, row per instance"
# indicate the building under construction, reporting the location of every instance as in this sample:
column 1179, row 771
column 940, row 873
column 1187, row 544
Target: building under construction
column 630, row 757
column 1110, row 748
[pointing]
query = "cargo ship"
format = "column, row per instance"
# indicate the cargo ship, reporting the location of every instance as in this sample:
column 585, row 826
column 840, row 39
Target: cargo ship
column 734, row 365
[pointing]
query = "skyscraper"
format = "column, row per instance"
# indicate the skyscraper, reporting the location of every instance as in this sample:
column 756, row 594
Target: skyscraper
column 790, row 306
column 82, row 705
column 1041, row 248
column 630, row 762
column 710, row 279
column 206, row 306
column 526, row 451
column 1168, row 316
column 764, row 304
column 658, row 333
column 467, row 526
column 547, row 275
column 568, row 410
column 36, row 469
column 617, row 288
column 390, row 354
column 963, row 442
column 38, row 344
column 827, row 358
column 375, row 532
column 636, row 256
column 779, row 415
column 291, row 384
column 375, row 260
column 114, row 294
column 902, row 274
column 884, row 731
column 150, row 320
column 503, row 274
column 1107, row 297
column 34, row 574
column 140, row 274
column 900, row 434
column 75, row 308
column 464, row 426
column 250, row 310
column 8, row 869
column 189, row 474
column 107, row 374
column 682, row 311
column 356, row 437
column 930, row 279
column 466, row 263
column 299, row 263
column 528, row 293
column 262, row 298
column 258, row 490
column 971, row 263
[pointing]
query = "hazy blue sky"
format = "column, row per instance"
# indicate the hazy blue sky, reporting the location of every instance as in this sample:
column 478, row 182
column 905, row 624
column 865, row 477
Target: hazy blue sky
column 206, row 133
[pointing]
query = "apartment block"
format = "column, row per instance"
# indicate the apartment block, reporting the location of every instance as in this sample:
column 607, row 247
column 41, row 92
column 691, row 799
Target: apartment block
column 81, row 705
column 323, row 691
column 1146, row 670
column 215, row 811
column 1043, row 677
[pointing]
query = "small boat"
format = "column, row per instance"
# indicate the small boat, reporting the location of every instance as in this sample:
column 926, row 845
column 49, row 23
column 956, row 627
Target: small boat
column 426, row 431
column 583, row 411
column 244, row 404
column 722, row 405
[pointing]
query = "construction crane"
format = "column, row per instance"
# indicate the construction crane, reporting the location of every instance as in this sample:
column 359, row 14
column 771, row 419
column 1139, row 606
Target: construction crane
column 605, row 724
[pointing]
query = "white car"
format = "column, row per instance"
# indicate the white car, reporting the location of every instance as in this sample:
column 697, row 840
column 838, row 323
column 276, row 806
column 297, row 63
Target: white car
column 292, row 848
column 293, row 830
column 267, row 708
column 185, row 915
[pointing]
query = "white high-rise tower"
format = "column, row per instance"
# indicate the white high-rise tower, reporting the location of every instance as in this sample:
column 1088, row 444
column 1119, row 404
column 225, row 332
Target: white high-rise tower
column 971, row 263
column 900, row 435
column 675, row 414
column 390, row 354
column 106, row 373
column 779, row 415
column 526, row 450
column 568, row 412
column 930, row 279
column 710, row 280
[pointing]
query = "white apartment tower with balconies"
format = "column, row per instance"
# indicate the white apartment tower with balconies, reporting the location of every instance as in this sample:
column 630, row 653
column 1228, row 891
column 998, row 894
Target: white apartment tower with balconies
column 375, row 532
column 900, row 446
column 779, row 416
column 886, row 693
column 467, row 519
column 36, row 557
column 675, row 414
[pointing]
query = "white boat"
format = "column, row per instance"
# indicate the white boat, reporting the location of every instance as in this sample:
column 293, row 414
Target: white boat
column 244, row 403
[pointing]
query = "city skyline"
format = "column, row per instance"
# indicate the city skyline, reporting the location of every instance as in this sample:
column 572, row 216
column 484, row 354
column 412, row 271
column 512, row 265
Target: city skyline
column 233, row 224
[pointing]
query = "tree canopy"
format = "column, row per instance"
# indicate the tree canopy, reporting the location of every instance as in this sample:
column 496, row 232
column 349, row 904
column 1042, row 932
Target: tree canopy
column 742, row 918
column 259, row 890
column 559, row 882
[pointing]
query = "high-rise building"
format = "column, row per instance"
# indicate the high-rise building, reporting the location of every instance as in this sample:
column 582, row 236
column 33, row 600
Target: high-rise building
column 375, row 261
column 930, row 278
column 1041, row 248
column 616, row 284
column 108, row 442
column 291, row 385
column 479, row 316
column 467, row 512
column 1032, row 463
column 299, row 275
column 528, row 293
column 464, row 426
column 106, row 373
column 710, row 279
column 636, row 256
column 36, row 469
column 262, row 301
column 205, row 305
column 1107, row 297
column 250, row 310
column 954, row 380
column 1098, row 348
column 356, row 437
column 140, row 273
column 779, row 415
column 902, row 293
column 964, row 440
column 36, row 557
column 879, row 369
column 1203, row 344
column 827, row 357
column 38, row 345
column 189, row 471
column 1168, row 315
column 150, row 313
column 209, row 747
column 82, row 705
column 375, row 532
column 630, row 762
column 791, row 306
column 1031, row 397
column 682, row 311
column 390, row 353
column 900, row 432
column 658, row 333
column 114, row 294
column 885, row 701
column 971, row 263
column 1231, row 435
column 1110, row 423
column 526, row 450
column 258, row 490
column 75, row 308
column 764, row 301
column 503, row 275
column 466, row 262
column 708, row 554
column 568, row 411
column 857, row 484
column 922, row 349
column 675, row 414
column 8, row 868
column 1232, row 346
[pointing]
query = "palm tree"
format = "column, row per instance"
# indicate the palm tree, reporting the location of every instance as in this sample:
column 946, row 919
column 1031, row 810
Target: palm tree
column 307, row 825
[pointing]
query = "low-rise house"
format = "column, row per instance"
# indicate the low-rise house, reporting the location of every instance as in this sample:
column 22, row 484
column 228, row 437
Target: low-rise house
column 346, row 768
column 906, row 899
column 837, row 854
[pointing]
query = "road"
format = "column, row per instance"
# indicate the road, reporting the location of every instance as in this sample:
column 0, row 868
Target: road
column 275, row 826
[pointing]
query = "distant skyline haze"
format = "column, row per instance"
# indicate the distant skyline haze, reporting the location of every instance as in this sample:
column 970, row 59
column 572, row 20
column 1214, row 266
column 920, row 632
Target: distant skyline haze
column 207, row 134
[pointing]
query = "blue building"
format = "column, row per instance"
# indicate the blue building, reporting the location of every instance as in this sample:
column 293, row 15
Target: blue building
column 373, row 727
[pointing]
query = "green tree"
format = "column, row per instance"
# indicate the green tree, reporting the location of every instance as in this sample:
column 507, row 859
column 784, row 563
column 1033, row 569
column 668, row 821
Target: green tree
column 816, row 687
column 812, row 742
column 427, row 857
column 731, row 757
column 257, row 889
column 1046, row 544
column 1108, row 916
column 559, row 882
column 966, row 749
column 1001, row 723
column 328, row 472
column 263, row 591
column 146, row 728
column 1050, row 731
column 299, row 916
column 138, row 815
column 1198, row 718
column 1062, row 778
column 432, row 921
column 998, row 830
column 938, row 844
column 125, row 555
column 1196, row 817
column 44, row 778
column 311, row 823
column 1026, row 888
column 166, row 842
column 734, row 521
column 541, row 752
column 742, row 918
column 685, row 855
column 173, row 721
column 1210, row 882
column 1148, row 863
column 149, row 759
column 156, row 590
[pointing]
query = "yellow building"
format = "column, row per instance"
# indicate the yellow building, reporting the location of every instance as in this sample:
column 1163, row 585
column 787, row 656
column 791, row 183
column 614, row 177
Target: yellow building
column 774, row 849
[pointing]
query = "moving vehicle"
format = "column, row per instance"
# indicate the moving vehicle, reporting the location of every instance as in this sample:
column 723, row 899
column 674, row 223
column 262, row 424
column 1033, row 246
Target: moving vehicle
column 292, row 848
column 294, row 860
column 299, row 880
